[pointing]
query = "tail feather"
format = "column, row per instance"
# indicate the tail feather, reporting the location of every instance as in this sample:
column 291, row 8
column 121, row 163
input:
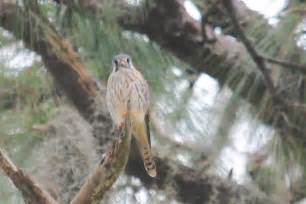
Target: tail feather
column 147, row 123
column 140, row 133
column 149, row 162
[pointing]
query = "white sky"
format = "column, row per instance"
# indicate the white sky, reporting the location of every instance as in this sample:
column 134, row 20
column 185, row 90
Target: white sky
column 269, row 8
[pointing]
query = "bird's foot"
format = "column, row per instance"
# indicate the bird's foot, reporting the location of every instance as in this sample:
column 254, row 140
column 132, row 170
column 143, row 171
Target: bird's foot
column 120, row 130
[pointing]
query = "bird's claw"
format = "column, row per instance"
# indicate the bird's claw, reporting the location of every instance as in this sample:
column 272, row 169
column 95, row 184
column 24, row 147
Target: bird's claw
column 120, row 130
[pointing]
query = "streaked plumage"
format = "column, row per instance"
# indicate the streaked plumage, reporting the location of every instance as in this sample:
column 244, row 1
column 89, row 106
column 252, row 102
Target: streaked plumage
column 128, row 92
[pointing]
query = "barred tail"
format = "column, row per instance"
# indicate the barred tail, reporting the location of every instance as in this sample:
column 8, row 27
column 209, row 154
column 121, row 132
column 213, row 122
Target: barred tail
column 148, row 161
column 140, row 133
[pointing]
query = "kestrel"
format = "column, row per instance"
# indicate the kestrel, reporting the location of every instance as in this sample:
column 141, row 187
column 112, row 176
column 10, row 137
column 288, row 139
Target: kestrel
column 128, row 93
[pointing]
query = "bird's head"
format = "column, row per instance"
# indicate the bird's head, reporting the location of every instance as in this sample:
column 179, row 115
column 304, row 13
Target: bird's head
column 122, row 61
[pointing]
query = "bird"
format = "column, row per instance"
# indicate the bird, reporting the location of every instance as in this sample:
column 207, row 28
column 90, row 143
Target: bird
column 128, row 95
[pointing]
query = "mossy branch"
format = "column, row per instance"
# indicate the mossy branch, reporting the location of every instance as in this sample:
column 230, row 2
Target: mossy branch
column 107, row 172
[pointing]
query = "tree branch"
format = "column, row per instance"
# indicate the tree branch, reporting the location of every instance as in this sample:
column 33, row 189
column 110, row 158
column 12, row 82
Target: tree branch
column 246, row 16
column 57, row 54
column 289, row 65
column 259, row 61
column 261, row 65
column 107, row 172
column 30, row 189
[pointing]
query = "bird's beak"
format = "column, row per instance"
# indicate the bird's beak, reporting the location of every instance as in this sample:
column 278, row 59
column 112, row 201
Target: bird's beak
column 123, row 63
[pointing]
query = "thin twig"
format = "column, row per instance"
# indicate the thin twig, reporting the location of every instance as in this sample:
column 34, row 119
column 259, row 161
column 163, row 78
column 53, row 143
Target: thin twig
column 259, row 59
column 261, row 65
column 286, row 64
column 250, row 48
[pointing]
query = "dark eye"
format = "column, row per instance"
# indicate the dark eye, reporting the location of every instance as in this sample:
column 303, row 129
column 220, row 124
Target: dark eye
column 116, row 62
column 128, row 60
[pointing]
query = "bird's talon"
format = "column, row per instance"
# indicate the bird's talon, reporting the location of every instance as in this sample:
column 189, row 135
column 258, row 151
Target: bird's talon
column 120, row 130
